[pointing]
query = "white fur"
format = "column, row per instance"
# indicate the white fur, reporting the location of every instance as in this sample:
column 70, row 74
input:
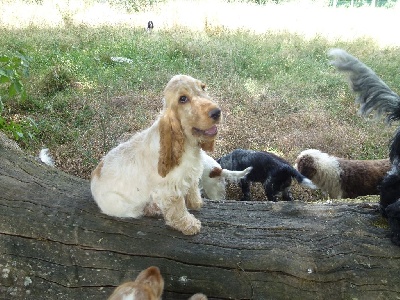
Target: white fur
column 328, row 175
column 45, row 157
column 131, row 296
column 128, row 181
column 214, row 188
column 126, row 175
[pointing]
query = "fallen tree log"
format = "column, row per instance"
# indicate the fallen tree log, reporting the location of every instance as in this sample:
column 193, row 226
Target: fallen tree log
column 55, row 244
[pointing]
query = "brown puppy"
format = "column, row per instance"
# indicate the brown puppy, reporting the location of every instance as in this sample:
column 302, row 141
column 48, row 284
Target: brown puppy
column 148, row 285
column 342, row 178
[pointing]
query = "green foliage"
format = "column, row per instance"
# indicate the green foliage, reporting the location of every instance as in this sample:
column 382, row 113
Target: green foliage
column 277, row 90
column 135, row 5
column 360, row 3
column 12, row 70
column 56, row 80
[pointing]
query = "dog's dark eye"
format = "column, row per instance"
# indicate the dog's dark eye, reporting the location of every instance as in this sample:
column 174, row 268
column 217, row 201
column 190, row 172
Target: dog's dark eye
column 203, row 87
column 183, row 99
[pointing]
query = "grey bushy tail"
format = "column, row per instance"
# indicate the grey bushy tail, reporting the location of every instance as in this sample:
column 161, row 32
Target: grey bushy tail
column 373, row 93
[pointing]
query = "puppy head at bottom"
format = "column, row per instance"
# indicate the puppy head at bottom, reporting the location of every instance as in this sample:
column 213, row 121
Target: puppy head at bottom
column 148, row 285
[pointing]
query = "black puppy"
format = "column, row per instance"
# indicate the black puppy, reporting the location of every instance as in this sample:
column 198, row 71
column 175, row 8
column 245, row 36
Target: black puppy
column 150, row 26
column 272, row 171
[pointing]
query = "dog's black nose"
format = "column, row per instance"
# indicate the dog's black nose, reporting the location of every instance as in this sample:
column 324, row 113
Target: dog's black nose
column 215, row 113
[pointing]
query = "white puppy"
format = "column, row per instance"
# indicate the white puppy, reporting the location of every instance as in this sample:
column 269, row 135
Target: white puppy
column 213, row 180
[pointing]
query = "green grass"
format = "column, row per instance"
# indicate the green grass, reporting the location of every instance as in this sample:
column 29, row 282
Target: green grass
column 277, row 90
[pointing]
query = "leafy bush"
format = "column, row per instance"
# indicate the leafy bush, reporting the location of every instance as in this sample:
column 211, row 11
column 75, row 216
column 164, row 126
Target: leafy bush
column 12, row 69
column 57, row 80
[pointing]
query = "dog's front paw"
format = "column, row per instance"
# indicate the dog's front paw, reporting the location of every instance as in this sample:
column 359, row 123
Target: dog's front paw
column 195, row 204
column 152, row 210
column 189, row 225
column 192, row 227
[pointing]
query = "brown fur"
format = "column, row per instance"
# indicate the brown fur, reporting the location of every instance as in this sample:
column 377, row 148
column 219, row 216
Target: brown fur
column 96, row 172
column 207, row 146
column 362, row 177
column 171, row 143
column 307, row 166
column 342, row 178
column 215, row 172
column 148, row 285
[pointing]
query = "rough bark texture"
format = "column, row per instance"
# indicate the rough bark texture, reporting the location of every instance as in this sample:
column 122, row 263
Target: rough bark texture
column 55, row 244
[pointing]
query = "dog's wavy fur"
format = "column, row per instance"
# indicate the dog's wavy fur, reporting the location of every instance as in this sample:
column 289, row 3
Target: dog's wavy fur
column 274, row 172
column 375, row 96
column 157, row 170
column 148, row 285
column 342, row 178
column 214, row 178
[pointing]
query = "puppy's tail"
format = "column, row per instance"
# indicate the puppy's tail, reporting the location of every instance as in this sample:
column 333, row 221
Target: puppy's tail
column 373, row 93
column 234, row 176
column 46, row 158
column 301, row 179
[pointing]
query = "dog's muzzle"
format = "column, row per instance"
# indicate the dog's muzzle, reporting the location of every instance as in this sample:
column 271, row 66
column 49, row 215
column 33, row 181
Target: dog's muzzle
column 215, row 114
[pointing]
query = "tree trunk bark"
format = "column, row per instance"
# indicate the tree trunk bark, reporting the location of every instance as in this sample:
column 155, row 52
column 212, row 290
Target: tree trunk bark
column 55, row 244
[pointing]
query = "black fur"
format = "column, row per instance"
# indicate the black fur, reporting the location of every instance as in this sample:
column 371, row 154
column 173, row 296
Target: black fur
column 393, row 215
column 390, row 188
column 375, row 95
column 272, row 171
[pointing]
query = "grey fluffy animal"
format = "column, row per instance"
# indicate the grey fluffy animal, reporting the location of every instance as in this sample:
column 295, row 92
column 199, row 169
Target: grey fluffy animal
column 375, row 96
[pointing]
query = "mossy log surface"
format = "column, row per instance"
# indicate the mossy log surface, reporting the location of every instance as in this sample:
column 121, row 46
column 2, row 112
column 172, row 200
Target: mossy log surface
column 55, row 244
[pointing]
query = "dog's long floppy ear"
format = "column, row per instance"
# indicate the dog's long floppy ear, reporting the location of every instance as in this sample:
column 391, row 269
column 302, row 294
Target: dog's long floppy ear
column 207, row 146
column 171, row 142
column 153, row 279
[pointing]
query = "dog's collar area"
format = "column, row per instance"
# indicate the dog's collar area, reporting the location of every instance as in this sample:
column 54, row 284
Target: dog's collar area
column 208, row 132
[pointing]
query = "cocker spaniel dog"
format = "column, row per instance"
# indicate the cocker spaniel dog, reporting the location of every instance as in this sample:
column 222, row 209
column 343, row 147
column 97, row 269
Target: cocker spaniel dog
column 214, row 178
column 157, row 170
column 375, row 95
column 342, row 178
column 148, row 285
column 272, row 171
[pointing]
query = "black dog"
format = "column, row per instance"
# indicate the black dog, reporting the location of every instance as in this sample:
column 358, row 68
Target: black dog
column 150, row 26
column 393, row 215
column 375, row 95
column 272, row 171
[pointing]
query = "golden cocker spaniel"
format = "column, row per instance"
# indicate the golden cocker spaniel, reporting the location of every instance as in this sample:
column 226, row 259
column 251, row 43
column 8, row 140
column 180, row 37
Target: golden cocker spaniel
column 157, row 170
column 148, row 285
